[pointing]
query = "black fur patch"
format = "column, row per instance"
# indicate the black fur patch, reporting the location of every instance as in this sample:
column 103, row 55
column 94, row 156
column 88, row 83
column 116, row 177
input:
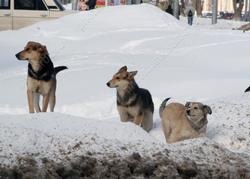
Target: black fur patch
column 139, row 95
column 46, row 71
column 248, row 89
column 131, row 93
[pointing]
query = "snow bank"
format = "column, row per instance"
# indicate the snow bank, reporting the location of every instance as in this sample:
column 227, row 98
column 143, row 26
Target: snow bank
column 55, row 136
column 47, row 142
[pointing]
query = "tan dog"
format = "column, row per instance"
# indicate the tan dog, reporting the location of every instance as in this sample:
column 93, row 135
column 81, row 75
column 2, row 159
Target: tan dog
column 133, row 103
column 41, row 78
column 181, row 122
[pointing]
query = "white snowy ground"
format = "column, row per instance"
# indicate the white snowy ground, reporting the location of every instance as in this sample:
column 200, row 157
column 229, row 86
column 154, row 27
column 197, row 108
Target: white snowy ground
column 202, row 63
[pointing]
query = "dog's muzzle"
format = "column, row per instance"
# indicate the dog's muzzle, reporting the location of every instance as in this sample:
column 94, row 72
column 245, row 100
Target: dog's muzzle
column 109, row 84
column 18, row 56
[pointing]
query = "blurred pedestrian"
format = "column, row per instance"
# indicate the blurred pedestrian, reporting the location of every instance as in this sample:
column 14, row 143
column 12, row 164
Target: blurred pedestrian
column 82, row 5
column 190, row 17
column 91, row 4
column 190, row 13
column 169, row 9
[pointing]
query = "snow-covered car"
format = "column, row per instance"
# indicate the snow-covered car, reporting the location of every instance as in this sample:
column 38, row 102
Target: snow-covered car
column 15, row 14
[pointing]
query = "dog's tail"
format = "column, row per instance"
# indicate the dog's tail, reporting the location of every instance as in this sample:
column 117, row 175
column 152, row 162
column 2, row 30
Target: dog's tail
column 248, row 89
column 162, row 107
column 59, row 68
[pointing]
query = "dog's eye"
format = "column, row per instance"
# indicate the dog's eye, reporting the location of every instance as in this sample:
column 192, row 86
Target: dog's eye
column 27, row 49
column 117, row 78
column 195, row 108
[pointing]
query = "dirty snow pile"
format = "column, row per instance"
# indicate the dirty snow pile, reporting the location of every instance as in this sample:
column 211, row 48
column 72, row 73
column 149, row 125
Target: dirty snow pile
column 210, row 65
column 57, row 136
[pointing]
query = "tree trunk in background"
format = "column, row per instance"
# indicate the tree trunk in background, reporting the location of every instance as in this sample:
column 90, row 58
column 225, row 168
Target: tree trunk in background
column 176, row 9
column 246, row 9
column 238, row 6
column 157, row 3
column 75, row 4
column 198, row 5
column 182, row 8
column 214, row 11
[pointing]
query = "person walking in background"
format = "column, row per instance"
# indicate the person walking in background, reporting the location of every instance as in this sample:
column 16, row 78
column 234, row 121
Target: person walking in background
column 190, row 17
column 82, row 5
column 91, row 4
column 190, row 13
column 169, row 9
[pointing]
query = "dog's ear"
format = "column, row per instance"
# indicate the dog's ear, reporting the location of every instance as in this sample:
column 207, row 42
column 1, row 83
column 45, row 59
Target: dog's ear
column 123, row 69
column 248, row 89
column 43, row 49
column 207, row 109
column 132, row 74
column 187, row 104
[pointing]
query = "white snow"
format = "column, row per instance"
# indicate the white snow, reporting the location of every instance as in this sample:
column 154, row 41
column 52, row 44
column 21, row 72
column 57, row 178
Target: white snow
column 202, row 63
column 68, row 6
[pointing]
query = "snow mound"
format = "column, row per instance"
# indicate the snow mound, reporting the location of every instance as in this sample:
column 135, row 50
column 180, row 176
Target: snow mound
column 48, row 141
column 109, row 20
column 56, row 135
column 229, row 125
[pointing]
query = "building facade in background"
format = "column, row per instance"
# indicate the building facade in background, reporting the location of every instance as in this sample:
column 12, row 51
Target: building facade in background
column 223, row 6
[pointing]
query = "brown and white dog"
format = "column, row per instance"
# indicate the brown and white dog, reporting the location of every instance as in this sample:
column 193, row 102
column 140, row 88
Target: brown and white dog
column 133, row 103
column 41, row 78
column 181, row 122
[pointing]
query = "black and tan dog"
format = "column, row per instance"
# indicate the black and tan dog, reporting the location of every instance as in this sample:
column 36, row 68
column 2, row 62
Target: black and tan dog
column 181, row 122
column 41, row 78
column 133, row 103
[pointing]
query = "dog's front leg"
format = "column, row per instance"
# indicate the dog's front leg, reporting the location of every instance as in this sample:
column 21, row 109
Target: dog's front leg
column 30, row 101
column 45, row 102
column 138, row 119
column 123, row 113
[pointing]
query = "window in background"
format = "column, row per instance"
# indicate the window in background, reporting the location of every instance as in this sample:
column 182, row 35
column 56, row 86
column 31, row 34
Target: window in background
column 30, row 5
column 4, row 4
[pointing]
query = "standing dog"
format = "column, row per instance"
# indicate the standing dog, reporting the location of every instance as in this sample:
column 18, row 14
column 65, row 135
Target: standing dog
column 41, row 78
column 181, row 122
column 133, row 103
